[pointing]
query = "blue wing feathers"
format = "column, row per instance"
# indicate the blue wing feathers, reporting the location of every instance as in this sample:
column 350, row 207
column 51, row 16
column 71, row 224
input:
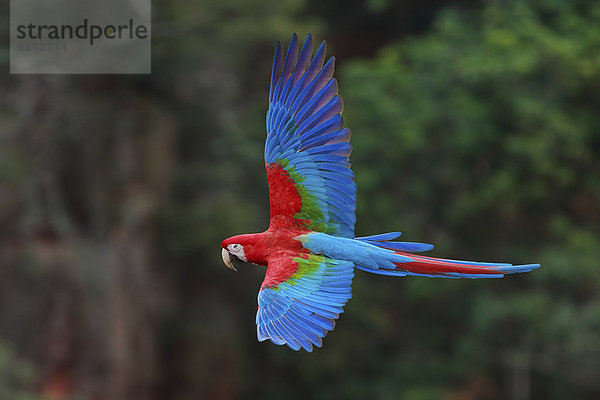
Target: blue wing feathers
column 277, row 89
column 280, row 113
column 308, row 89
column 335, row 123
column 304, row 342
column 303, row 59
column 276, row 71
column 342, row 179
column 300, row 330
column 381, row 236
column 290, row 58
column 260, row 333
column 341, row 189
column 286, row 90
column 309, row 309
column 319, row 80
column 300, row 311
column 288, row 130
column 296, row 90
column 319, row 98
column 334, row 106
column 273, row 334
column 341, row 135
column 320, row 102
column 305, row 131
column 324, row 74
column 308, row 100
column 305, row 128
column 402, row 246
column 333, row 163
column 338, row 200
column 340, row 149
column 315, row 66
column 345, row 217
column 302, row 317
column 294, row 341
column 316, row 63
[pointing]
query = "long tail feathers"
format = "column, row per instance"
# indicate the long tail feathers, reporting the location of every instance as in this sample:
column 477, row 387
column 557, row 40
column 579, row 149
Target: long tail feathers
column 383, row 240
column 436, row 267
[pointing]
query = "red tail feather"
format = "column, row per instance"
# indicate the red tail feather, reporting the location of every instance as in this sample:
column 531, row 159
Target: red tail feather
column 439, row 266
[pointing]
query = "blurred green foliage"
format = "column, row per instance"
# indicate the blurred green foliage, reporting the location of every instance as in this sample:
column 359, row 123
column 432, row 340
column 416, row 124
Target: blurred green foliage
column 475, row 127
column 16, row 375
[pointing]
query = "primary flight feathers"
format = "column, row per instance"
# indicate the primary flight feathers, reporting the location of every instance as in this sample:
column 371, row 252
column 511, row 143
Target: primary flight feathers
column 309, row 249
column 307, row 139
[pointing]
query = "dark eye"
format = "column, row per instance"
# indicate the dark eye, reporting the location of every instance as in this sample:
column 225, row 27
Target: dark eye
column 236, row 246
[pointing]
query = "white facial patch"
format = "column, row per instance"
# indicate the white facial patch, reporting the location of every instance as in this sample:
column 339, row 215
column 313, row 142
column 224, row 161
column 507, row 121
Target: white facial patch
column 238, row 251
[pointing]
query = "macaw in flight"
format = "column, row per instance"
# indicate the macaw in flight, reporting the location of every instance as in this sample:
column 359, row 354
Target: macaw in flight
column 310, row 250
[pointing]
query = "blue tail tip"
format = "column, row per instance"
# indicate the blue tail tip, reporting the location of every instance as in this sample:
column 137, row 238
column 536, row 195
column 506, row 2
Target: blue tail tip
column 521, row 268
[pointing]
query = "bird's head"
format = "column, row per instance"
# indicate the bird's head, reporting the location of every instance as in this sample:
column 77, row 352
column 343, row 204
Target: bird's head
column 232, row 249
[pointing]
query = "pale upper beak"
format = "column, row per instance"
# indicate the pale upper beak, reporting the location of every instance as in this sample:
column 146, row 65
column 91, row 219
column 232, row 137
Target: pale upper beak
column 227, row 259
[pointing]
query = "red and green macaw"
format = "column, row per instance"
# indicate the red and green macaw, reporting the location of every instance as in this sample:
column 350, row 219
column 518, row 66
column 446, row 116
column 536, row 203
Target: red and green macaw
column 310, row 250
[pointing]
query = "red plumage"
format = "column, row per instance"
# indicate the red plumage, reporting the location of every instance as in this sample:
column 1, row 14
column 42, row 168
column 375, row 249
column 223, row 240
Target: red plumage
column 275, row 242
column 285, row 201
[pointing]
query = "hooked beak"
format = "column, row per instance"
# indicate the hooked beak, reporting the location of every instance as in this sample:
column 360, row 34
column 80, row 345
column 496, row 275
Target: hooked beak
column 227, row 259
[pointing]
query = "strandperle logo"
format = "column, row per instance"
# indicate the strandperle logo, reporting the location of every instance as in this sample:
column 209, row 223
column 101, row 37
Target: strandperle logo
column 80, row 36
column 89, row 32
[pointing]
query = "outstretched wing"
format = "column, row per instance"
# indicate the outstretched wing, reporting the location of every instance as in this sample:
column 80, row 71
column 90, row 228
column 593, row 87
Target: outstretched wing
column 306, row 153
column 301, row 297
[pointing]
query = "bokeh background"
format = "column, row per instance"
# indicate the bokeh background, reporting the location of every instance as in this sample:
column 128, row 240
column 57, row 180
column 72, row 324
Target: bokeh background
column 476, row 126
